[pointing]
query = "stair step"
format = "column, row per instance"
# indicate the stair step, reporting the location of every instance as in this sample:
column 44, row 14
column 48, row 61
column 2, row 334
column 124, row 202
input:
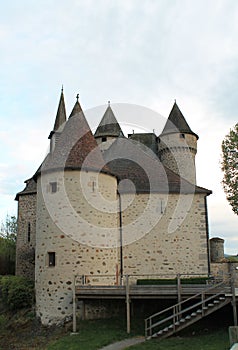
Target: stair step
column 159, row 333
column 165, row 329
column 222, row 298
column 193, row 314
column 188, row 317
column 216, row 301
column 177, row 323
column 205, row 307
column 199, row 311
column 182, row 320
column 171, row 326
column 210, row 305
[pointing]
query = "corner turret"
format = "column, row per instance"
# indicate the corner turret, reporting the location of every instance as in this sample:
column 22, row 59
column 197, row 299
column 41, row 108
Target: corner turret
column 177, row 146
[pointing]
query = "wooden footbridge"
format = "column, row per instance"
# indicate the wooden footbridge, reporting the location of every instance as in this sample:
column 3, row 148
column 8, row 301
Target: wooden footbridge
column 192, row 301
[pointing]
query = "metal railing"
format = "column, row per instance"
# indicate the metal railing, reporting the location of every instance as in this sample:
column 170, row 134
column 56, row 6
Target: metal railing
column 104, row 280
column 175, row 313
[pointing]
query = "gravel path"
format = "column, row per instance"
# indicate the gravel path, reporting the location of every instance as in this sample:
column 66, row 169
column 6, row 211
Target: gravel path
column 123, row 344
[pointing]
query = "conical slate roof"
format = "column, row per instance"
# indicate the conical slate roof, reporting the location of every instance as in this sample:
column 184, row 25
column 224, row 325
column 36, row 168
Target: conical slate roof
column 109, row 125
column 60, row 115
column 177, row 123
column 76, row 147
column 77, row 108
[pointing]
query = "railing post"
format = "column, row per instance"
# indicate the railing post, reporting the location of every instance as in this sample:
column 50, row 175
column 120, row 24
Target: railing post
column 233, row 295
column 203, row 298
column 128, row 305
column 150, row 326
column 179, row 291
column 174, row 316
column 74, row 307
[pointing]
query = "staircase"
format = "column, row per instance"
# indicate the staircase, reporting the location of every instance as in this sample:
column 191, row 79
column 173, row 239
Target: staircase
column 179, row 316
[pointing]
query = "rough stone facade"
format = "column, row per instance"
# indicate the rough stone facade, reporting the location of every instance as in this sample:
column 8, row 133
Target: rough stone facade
column 85, row 252
column 177, row 152
column 26, row 238
column 173, row 244
column 217, row 249
column 103, row 220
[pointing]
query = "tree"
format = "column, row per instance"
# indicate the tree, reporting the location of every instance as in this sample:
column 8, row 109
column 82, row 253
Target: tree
column 8, row 235
column 229, row 167
column 9, row 227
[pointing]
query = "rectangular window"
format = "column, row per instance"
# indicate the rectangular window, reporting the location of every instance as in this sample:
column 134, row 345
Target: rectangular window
column 51, row 259
column 29, row 232
column 53, row 187
column 182, row 136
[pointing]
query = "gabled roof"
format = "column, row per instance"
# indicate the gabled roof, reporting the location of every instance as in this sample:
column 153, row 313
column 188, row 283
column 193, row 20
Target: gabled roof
column 177, row 123
column 76, row 147
column 60, row 116
column 108, row 126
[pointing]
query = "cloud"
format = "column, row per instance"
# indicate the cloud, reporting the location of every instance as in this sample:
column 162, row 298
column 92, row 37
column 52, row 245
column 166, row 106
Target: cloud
column 143, row 52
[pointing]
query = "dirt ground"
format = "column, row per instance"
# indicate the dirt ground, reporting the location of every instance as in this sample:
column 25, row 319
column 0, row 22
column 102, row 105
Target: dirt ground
column 22, row 331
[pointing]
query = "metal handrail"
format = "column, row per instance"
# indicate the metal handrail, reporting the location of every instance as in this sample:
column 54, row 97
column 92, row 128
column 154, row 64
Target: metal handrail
column 177, row 310
column 122, row 278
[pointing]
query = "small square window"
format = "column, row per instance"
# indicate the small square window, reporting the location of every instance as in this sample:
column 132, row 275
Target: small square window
column 51, row 259
column 182, row 136
column 53, row 187
column 104, row 139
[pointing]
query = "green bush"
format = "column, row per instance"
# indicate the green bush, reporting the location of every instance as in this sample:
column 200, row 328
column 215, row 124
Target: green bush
column 172, row 281
column 16, row 291
column 2, row 321
column 152, row 282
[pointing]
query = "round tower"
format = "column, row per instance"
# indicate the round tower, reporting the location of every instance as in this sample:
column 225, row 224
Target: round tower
column 217, row 249
column 74, row 236
column 177, row 146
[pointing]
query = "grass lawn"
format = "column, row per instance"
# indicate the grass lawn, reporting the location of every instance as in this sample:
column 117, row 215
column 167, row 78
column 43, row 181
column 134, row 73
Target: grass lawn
column 217, row 340
column 95, row 334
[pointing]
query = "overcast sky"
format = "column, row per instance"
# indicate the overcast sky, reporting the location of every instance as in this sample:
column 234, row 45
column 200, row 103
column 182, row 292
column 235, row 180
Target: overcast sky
column 138, row 52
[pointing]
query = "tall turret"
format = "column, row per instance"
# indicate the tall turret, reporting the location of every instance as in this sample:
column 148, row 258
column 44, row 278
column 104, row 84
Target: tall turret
column 178, row 146
column 74, row 194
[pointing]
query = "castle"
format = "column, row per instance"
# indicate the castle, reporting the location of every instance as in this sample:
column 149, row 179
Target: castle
column 109, row 205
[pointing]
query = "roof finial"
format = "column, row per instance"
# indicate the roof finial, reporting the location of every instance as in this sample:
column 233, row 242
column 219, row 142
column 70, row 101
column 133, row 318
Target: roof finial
column 77, row 97
column 62, row 89
column 108, row 103
column 175, row 100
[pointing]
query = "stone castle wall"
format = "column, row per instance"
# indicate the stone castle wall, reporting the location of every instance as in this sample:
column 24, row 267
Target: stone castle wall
column 75, row 233
column 26, row 236
column 177, row 241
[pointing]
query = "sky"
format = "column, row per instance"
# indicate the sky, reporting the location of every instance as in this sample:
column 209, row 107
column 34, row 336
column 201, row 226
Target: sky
column 145, row 53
